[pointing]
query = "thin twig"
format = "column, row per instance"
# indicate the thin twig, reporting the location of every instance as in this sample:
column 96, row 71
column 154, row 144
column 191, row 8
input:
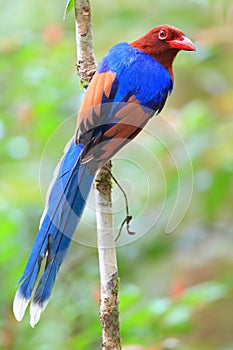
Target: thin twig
column 128, row 217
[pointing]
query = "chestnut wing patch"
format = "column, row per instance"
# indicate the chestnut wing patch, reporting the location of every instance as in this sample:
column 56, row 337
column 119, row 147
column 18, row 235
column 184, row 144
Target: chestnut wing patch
column 104, row 141
column 96, row 103
column 111, row 116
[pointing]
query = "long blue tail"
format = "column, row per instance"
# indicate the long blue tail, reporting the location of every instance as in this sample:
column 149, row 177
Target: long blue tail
column 66, row 200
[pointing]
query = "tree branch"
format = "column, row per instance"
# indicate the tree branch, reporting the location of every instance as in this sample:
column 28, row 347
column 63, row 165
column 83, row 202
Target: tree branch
column 86, row 66
column 109, row 313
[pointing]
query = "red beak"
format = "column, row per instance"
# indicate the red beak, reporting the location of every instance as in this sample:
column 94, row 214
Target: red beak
column 182, row 43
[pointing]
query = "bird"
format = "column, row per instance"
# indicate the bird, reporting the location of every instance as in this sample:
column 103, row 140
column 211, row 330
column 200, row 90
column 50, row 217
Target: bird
column 131, row 84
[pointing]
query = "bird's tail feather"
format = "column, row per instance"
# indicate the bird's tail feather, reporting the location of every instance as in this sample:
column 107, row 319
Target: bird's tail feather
column 65, row 203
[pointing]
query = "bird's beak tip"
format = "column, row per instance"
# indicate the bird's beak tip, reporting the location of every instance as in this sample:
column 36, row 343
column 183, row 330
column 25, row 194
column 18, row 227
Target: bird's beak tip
column 182, row 43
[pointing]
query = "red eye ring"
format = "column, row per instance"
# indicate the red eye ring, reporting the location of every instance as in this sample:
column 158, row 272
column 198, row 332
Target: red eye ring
column 162, row 34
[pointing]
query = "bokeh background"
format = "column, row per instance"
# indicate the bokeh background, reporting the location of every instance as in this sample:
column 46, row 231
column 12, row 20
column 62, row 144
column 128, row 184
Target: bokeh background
column 176, row 290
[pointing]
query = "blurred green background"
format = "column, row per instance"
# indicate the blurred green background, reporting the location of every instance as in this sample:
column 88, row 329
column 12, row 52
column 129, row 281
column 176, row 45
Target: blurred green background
column 176, row 290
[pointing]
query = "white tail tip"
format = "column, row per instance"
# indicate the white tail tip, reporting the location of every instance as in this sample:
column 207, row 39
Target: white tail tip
column 19, row 305
column 35, row 311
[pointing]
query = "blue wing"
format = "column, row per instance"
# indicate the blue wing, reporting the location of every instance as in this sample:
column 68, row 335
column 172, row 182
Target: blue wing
column 128, row 88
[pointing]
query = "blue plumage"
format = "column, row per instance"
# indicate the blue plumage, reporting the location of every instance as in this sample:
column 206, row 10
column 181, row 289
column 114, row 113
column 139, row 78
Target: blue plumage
column 132, row 83
column 65, row 204
column 139, row 75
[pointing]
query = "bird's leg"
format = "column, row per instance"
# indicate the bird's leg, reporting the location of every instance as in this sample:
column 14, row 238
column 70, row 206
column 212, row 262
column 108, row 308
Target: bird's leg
column 128, row 217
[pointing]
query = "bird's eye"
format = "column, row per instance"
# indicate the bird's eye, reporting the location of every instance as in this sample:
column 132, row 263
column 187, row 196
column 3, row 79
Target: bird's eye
column 162, row 34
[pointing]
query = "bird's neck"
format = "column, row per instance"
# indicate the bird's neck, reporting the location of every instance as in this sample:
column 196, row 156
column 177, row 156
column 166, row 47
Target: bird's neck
column 165, row 58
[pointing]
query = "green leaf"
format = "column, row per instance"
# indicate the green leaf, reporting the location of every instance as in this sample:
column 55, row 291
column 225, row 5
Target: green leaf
column 69, row 7
column 83, row 85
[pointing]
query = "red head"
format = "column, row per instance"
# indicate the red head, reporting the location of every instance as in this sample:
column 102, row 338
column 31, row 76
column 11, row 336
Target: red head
column 163, row 43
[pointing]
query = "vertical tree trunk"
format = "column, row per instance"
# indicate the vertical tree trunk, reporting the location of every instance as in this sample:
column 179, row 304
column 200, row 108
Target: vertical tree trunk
column 109, row 313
